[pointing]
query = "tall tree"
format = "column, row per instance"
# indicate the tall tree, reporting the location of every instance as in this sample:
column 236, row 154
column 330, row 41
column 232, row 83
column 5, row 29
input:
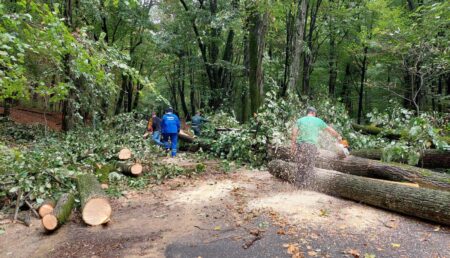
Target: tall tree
column 300, row 20
column 257, row 29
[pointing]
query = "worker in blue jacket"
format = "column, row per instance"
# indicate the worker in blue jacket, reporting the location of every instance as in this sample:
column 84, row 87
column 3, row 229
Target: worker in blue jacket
column 170, row 127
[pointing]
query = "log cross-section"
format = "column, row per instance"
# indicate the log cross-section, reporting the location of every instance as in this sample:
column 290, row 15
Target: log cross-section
column 46, row 208
column 125, row 154
column 95, row 207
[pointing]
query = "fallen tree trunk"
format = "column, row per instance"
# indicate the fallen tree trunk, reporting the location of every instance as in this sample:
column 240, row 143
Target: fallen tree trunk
column 130, row 168
column 372, row 168
column 60, row 214
column 428, row 159
column 95, row 207
column 423, row 203
column 46, row 208
column 185, row 137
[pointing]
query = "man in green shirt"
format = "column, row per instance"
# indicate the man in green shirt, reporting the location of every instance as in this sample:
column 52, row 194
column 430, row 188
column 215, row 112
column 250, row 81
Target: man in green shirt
column 305, row 138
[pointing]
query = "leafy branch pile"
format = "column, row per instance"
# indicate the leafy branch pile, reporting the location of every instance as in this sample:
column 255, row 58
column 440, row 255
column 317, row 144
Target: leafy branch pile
column 43, row 166
column 416, row 134
column 248, row 143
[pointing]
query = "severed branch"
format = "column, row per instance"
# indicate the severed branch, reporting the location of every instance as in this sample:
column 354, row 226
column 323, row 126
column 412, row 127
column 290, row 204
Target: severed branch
column 32, row 209
column 16, row 212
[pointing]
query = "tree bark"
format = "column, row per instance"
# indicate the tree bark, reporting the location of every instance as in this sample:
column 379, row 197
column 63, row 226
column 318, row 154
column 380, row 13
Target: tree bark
column 121, row 94
column 311, row 41
column 372, row 168
column 300, row 21
column 60, row 214
column 428, row 204
column 181, row 83
column 95, row 207
column 362, row 82
column 130, row 168
column 7, row 107
column 258, row 24
column 428, row 159
column 287, row 52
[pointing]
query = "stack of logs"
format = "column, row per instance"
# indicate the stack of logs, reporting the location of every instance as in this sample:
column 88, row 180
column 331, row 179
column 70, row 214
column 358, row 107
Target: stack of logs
column 126, row 166
column 373, row 182
column 95, row 207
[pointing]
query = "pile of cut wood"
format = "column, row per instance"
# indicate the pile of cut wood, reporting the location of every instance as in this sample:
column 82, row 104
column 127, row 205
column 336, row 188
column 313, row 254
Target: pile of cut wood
column 128, row 166
column 373, row 182
column 95, row 207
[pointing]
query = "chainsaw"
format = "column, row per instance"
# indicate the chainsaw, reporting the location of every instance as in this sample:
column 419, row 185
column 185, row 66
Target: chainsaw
column 344, row 148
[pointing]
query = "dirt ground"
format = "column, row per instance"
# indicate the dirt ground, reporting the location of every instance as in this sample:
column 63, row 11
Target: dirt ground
column 33, row 116
column 240, row 214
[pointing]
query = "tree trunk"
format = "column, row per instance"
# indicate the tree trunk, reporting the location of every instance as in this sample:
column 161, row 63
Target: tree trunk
column 432, row 205
column 362, row 82
column 332, row 67
column 7, row 107
column 287, row 52
column 202, row 47
column 346, row 90
column 258, row 24
column 372, row 168
column 181, row 83
column 192, row 90
column 121, row 94
column 311, row 41
column 300, row 21
column 95, row 207
column 130, row 89
column 428, row 159
column 60, row 214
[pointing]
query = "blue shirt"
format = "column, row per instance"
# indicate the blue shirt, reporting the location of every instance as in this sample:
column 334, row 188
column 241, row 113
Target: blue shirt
column 170, row 123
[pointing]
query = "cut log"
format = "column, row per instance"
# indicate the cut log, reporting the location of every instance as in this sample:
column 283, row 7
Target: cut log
column 95, row 207
column 130, row 168
column 46, row 208
column 125, row 154
column 60, row 214
column 428, row 159
column 432, row 205
column 372, row 168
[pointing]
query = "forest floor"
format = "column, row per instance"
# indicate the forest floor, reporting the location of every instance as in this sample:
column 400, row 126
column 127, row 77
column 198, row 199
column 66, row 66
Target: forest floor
column 217, row 214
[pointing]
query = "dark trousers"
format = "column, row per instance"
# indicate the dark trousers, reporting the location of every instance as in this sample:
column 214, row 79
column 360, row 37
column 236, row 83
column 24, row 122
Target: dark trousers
column 306, row 159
